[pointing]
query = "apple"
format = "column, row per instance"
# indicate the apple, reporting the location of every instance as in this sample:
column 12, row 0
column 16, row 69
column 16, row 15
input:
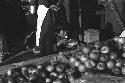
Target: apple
column 39, row 66
column 53, row 74
column 72, row 59
column 123, row 70
column 105, row 49
column 121, row 40
column 89, row 64
column 83, row 58
column 101, row 66
column 9, row 72
column 81, row 68
column 119, row 62
column 86, row 50
column 94, row 55
column 78, row 56
column 116, row 39
column 113, row 55
column 62, row 75
column 123, row 54
column 50, row 68
column 116, row 70
column 76, row 63
column 110, row 64
column 48, row 80
column 104, row 57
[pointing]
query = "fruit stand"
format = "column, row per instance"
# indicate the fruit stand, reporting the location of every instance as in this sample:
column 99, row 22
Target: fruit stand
column 97, row 62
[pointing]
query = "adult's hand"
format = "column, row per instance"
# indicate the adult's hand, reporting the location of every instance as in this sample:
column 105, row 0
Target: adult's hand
column 55, row 7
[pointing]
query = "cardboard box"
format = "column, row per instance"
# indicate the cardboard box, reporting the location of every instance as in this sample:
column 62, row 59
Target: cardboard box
column 91, row 35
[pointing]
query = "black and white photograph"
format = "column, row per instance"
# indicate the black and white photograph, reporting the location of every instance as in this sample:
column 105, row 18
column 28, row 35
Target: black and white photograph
column 62, row 41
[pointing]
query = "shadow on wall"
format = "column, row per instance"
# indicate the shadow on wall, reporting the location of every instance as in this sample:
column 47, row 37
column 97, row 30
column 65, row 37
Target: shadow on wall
column 107, row 33
column 111, row 17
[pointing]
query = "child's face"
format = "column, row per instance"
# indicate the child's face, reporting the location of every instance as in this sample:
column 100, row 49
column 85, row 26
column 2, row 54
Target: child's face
column 62, row 33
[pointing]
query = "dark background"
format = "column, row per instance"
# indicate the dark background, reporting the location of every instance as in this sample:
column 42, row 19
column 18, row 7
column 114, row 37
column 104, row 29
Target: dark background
column 16, row 25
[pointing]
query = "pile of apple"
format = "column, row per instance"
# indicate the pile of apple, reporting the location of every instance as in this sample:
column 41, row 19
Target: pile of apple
column 100, row 57
column 54, row 72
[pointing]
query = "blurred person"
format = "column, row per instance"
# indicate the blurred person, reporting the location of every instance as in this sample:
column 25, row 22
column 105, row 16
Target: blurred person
column 49, row 18
column 14, row 23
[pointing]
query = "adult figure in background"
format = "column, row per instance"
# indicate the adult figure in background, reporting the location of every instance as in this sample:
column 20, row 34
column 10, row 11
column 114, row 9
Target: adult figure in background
column 48, row 25
column 15, row 25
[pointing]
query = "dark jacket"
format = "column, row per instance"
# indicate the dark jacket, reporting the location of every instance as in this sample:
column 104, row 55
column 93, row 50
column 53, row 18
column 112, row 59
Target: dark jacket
column 50, row 25
column 12, row 22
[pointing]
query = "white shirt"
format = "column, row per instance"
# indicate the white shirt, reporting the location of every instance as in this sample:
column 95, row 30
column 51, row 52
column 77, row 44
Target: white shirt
column 122, row 34
column 41, row 12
